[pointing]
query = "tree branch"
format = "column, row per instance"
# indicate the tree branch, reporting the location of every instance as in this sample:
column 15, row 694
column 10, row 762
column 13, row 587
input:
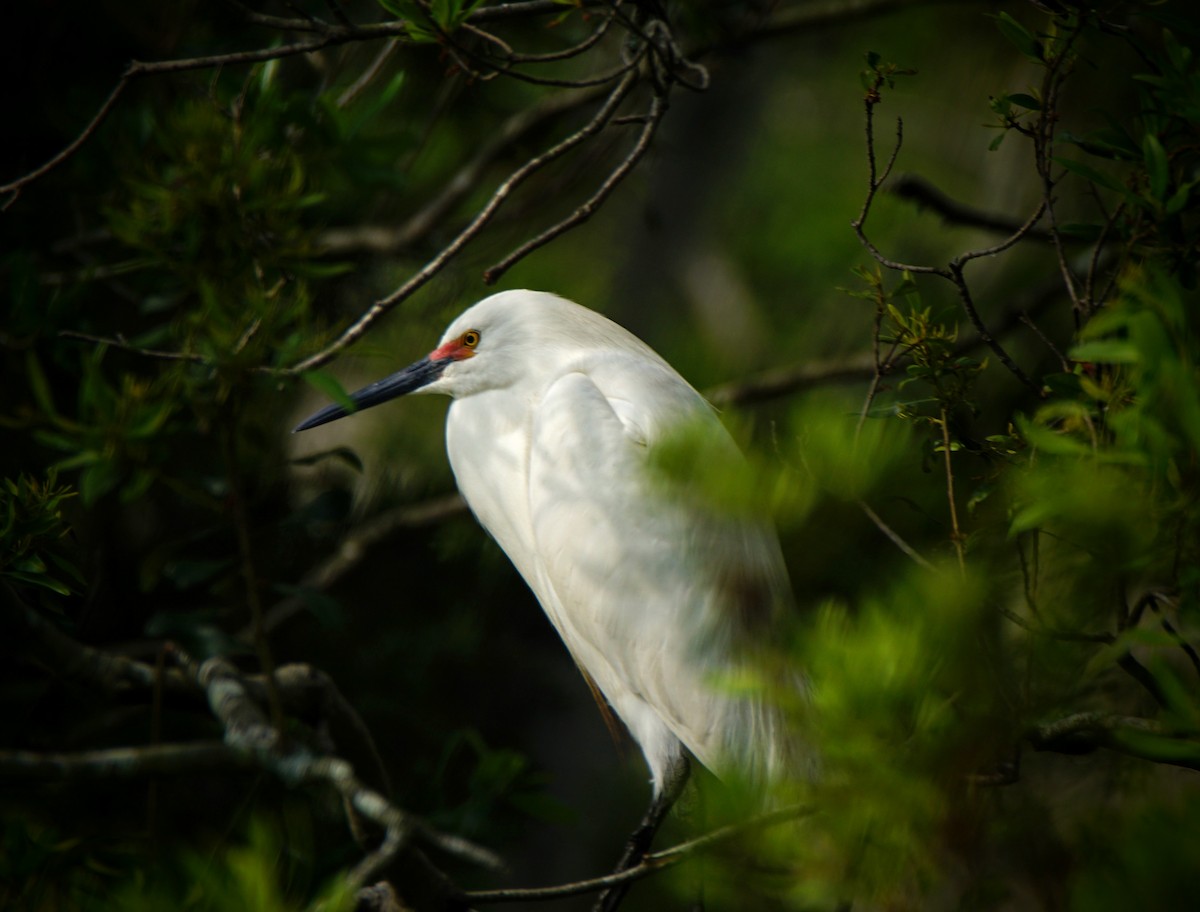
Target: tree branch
column 248, row 732
column 925, row 195
column 651, row 864
column 1145, row 739
column 658, row 107
column 360, row 326
column 122, row 762
column 353, row 548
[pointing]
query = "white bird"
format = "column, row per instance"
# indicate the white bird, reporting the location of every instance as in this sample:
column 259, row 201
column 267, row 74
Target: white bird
column 658, row 599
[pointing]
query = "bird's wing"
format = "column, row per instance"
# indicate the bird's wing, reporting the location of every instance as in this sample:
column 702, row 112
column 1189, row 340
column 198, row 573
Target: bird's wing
column 645, row 590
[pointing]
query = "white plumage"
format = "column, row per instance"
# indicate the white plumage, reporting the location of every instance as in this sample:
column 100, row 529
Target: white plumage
column 659, row 599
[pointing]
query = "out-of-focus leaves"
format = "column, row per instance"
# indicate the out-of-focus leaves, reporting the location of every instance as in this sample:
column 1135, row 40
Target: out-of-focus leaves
column 1021, row 38
column 327, row 610
column 328, row 384
column 32, row 533
column 922, row 698
column 1139, row 856
column 249, row 875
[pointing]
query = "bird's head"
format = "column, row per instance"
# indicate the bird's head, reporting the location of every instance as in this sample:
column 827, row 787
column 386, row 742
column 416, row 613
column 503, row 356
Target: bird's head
column 486, row 347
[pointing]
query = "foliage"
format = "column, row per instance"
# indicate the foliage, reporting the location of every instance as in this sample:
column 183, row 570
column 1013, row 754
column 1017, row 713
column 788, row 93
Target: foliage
column 32, row 531
column 238, row 877
column 977, row 558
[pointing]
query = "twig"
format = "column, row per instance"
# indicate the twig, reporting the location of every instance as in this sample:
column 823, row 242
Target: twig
column 895, row 537
column 1136, row 737
column 122, row 762
column 356, row 330
column 812, row 17
column 332, row 35
column 1022, row 232
column 368, row 76
column 353, row 548
column 241, row 524
column 953, row 272
column 651, row 864
column 968, row 303
column 248, row 732
column 119, row 342
column 15, row 186
column 1066, row 636
column 926, row 196
column 874, row 182
column 1037, row 331
column 254, row 17
column 512, row 131
column 956, row 535
column 787, row 381
column 654, row 117
column 575, row 50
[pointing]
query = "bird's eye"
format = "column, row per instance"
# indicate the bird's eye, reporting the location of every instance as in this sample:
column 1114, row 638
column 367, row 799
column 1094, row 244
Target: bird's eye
column 470, row 338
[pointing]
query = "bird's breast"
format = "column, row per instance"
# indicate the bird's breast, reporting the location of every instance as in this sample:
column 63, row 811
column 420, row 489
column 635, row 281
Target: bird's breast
column 487, row 443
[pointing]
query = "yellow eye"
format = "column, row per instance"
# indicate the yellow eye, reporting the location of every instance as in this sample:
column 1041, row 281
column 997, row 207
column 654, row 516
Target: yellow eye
column 470, row 338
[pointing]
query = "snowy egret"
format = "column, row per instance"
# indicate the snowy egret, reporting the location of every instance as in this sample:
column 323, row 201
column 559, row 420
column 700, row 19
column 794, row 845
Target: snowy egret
column 555, row 410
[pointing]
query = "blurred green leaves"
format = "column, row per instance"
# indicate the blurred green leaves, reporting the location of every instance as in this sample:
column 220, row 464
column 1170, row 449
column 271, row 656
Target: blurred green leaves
column 216, row 212
column 32, row 529
column 907, row 694
column 430, row 22
column 119, row 435
column 1140, row 856
column 251, row 875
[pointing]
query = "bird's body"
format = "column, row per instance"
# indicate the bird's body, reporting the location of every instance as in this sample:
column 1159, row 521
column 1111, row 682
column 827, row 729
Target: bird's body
column 659, row 600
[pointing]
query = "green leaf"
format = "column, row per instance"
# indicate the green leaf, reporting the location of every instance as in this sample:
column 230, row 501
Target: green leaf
column 1025, row 101
column 327, row 610
column 1048, row 441
column 186, row 574
column 1106, row 351
column 1113, row 142
column 1081, row 231
column 1091, row 174
column 39, row 580
column 1179, row 199
column 1157, row 167
column 97, row 480
column 1020, row 36
column 332, row 387
column 342, row 454
column 39, row 386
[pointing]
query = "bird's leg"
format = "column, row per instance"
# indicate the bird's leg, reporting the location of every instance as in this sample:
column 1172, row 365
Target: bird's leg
column 639, row 841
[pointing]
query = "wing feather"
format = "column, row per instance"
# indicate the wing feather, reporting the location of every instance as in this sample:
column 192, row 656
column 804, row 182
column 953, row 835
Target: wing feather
column 644, row 590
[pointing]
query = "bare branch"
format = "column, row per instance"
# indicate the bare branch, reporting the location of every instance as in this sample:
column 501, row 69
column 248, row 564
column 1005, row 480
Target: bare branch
column 1136, row 737
column 1066, row 636
column 254, row 17
column 812, row 17
column 369, row 74
column 512, row 131
column 873, row 184
column 925, row 195
column 894, row 537
column 658, row 108
column 15, row 186
column 248, row 732
column 787, row 381
column 359, row 327
column 651, row 864
column 354, row 548
column 1016, row 237
column 122, row 762
column 119, row 342
column 968, row 303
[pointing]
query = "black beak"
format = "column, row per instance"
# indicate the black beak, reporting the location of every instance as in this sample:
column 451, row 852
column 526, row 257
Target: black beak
column 405, row 381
